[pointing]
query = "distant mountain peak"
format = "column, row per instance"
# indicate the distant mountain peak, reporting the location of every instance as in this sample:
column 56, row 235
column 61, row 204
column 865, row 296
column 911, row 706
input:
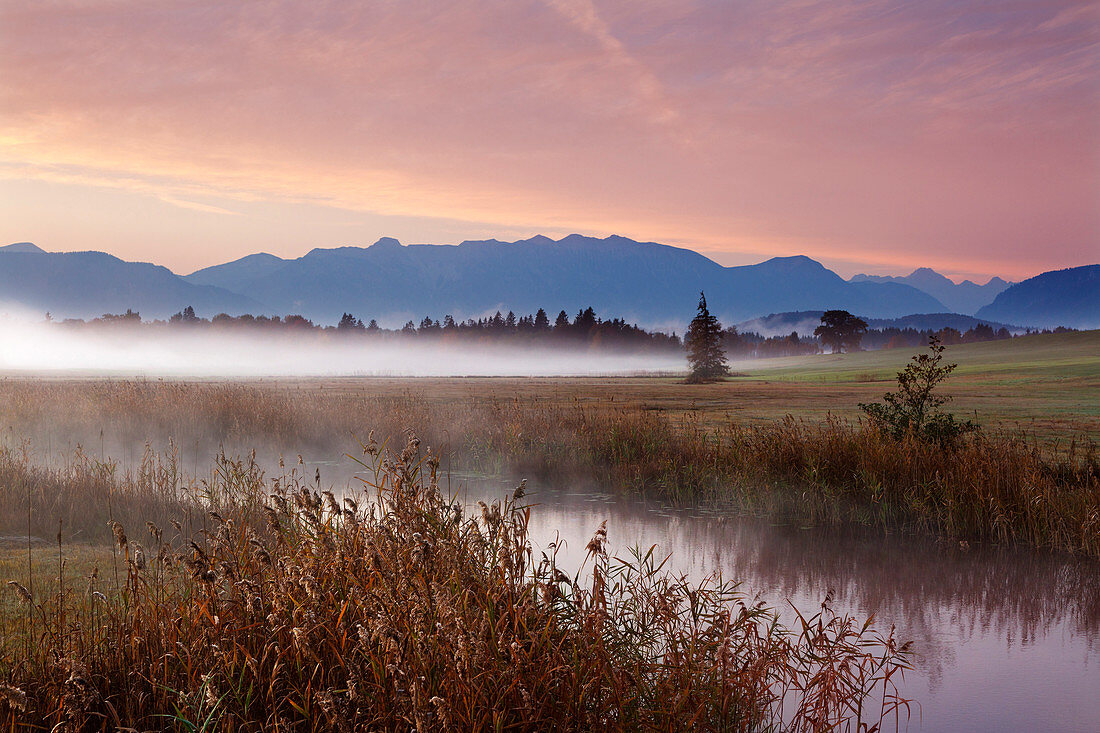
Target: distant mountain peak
column 965, row 297
column 1069, row 297
column 23, row 248
column 795, row 262
column 386, row 243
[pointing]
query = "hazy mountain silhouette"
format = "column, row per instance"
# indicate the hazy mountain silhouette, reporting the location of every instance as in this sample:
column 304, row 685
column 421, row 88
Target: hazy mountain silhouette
column 1058, row 298
column 804, row 322
column 23, row 247
column 89, row 284
column 965, row 297
column 644, row 282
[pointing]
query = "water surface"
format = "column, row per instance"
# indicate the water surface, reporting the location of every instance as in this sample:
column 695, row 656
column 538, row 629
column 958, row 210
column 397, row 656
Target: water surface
column 1005, row 639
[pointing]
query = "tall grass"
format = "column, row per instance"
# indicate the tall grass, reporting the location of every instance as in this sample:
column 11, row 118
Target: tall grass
column 296, row 611
column 994, row 487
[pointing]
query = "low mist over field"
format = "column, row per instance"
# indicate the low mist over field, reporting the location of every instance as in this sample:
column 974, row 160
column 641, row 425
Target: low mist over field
column 53, row 348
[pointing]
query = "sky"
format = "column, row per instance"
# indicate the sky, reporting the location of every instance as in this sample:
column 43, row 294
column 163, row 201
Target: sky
column 873, row 136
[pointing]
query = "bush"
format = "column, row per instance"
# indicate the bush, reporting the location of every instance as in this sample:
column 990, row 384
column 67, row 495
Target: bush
column 915, row 408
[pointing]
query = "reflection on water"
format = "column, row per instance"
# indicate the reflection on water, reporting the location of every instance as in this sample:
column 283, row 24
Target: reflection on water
column 1007, row 639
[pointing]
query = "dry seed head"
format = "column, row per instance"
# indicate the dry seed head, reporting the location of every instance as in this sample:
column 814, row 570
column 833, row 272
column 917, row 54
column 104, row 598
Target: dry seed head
column 597, row 545
column 120, row 534
column 139, row 557
column 23, row 593
column 211, row 696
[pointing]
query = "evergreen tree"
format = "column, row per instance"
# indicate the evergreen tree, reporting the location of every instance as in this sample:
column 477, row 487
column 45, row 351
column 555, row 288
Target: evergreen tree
column 542, row 323
column 704, row 346
column 348, row 322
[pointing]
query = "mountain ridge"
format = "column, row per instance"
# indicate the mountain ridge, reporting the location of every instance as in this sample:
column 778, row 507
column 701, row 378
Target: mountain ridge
column 652, row 284
column 88, row 284
column 645, row 282
column 1068, row 297
column 965, row 297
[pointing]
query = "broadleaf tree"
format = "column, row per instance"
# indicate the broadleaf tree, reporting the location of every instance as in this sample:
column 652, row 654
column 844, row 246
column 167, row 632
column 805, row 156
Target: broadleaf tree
column 841, row 331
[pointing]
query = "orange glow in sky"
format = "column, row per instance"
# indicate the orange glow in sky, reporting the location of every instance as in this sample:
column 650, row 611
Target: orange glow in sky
column 873, row 136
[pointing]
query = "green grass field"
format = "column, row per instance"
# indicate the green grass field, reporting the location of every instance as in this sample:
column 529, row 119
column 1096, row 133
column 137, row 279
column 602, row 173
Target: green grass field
column 1049, row 383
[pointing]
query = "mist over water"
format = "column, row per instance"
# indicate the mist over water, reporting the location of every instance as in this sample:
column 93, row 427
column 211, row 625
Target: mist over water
column 44, row 348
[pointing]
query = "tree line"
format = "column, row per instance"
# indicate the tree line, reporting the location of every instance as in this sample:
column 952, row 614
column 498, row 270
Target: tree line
column 839, row 331
column 585, row 329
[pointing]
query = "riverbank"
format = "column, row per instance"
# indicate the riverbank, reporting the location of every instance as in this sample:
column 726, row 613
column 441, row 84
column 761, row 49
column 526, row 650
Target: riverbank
column 280, row 606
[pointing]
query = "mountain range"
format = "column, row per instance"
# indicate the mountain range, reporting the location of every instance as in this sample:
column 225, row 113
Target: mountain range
column 644, row 282
column 965, row 297
column 88, row 284
column 652, row 284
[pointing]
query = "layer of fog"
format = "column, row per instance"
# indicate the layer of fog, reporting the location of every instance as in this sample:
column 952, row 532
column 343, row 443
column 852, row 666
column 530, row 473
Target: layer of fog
column 770, row 326
column 43, row 348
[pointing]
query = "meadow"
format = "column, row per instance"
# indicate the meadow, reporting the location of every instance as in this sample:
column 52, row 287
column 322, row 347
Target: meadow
column 87, row 462
column 788, row 433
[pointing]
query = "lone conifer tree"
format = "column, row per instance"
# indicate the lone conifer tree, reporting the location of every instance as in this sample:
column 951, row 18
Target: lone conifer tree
column 704, row 346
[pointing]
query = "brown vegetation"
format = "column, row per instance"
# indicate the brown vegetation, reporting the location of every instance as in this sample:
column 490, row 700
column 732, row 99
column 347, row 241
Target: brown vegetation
column 296, row 611
column 999, row 486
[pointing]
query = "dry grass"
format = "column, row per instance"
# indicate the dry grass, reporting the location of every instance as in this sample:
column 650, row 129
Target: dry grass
column 295, row 612
column 1001, row 486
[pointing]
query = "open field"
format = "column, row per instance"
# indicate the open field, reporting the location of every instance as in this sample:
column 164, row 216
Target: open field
column 650, row 435
column 1047, row 384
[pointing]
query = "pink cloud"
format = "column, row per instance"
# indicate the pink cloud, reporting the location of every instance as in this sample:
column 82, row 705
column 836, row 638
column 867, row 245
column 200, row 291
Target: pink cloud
column 960, row 135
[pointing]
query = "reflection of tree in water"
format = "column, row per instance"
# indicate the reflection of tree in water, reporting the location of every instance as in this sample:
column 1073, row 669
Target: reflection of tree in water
column 936, row 593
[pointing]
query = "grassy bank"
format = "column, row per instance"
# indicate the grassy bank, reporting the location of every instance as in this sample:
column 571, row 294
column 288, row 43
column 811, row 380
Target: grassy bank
column 992, row 488
column 279, row 608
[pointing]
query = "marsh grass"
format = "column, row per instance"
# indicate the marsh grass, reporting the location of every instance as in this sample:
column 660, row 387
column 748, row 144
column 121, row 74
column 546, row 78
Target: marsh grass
column 996, row 486
column 288, row 609
column 986, row 487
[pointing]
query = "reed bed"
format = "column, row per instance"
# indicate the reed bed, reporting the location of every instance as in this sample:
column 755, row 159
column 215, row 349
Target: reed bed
column 986, row 487
column 283, row 608
column 995, row 486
